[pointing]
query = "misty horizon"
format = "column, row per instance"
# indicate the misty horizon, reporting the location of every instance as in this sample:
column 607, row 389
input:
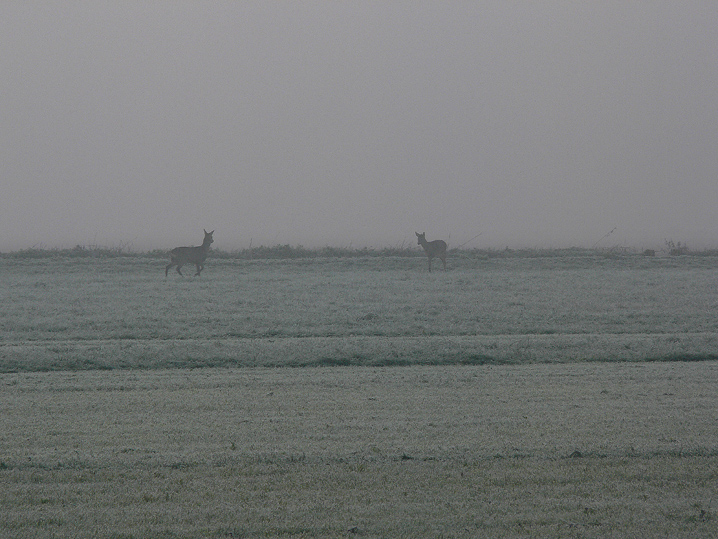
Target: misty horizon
column 473, row 244
column 487, row 125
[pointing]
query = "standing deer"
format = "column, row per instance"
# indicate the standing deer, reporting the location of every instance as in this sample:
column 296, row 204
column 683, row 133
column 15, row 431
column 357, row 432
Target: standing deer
column 432, row 248
column 190, row 255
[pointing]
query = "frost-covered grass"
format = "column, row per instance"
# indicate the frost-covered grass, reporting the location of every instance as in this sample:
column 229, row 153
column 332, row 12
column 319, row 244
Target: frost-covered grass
column 543, row 450
column 517, row 414
column 109, row 313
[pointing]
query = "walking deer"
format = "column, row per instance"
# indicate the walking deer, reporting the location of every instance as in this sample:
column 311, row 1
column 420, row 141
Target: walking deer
column 432, row 248
column 190, row 255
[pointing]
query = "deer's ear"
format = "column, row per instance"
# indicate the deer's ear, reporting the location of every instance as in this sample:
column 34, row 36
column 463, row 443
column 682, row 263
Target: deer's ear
column 417, row 234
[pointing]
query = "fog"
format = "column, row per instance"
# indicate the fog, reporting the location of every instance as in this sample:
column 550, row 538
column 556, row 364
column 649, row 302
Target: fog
column 487, row 124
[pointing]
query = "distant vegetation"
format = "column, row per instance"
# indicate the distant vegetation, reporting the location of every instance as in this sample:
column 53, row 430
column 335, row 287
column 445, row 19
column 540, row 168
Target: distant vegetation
column 287, row 252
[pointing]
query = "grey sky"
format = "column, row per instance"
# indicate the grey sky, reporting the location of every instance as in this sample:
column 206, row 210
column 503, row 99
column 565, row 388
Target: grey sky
column 356, row 123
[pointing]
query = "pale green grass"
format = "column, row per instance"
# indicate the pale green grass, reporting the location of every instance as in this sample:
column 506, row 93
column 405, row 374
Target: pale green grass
column 77, row 314
column 578, row 450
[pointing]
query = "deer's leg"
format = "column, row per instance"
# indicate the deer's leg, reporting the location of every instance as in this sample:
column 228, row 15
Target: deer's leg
column 443, row 259
column 178, row 269
column 429, row 264
column 199, row 269
column 168, row 268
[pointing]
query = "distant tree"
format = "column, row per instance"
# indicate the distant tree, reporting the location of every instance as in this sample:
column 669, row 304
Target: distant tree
column 676, row 249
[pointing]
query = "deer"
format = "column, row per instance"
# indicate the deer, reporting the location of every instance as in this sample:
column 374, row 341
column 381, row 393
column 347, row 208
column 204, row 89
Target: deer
column 180, row 256
column 432, row 248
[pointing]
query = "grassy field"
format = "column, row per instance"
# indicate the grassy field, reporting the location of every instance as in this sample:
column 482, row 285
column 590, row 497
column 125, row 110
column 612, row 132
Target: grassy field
column 76, row 314
column 561, row 397
column 573, row 450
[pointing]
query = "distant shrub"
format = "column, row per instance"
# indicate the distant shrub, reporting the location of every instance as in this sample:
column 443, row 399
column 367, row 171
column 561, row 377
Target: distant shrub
column 676, row 249
column 291, row 252
column 78, row 251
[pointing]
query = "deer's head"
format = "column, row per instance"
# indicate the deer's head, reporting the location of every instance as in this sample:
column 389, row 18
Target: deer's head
column 208, row 240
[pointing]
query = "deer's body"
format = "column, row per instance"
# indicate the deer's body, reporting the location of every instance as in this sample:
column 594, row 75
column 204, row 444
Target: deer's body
column 179, row 256
column 432, row 248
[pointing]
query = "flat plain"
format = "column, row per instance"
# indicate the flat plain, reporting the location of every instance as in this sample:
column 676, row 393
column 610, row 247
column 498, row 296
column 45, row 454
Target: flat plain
column 359, row 398
column 119, row 313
